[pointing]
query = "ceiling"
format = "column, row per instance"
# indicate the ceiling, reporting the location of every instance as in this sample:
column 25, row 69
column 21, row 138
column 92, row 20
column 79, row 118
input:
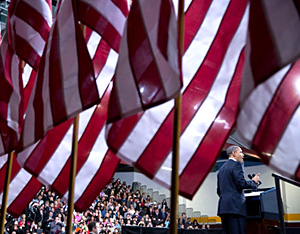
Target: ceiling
column 3, row 14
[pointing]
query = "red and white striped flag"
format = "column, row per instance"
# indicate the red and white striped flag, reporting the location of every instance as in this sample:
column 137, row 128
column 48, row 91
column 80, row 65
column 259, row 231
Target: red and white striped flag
column 22, row 188
column 269, row 121
column 65, row 83
column 214, row 40
column 49, row 159
column 147, row 72
column 96, row 164
column 269, row 114
column 11, row 98
column 28, row 27
column 274, row 33
column 106, row 17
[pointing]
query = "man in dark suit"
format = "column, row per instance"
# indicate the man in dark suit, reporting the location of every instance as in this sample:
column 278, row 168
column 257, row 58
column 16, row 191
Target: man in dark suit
column 157, row 217
column 231, row 185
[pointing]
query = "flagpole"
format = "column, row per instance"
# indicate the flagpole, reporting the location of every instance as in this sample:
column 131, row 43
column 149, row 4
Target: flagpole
column 72, row 175
column 176, row 130
column 73, row 164
column 6, row 190
column 175, row 165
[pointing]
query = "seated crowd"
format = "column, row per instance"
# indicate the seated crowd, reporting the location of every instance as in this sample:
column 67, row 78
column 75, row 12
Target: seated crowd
column 116, row 205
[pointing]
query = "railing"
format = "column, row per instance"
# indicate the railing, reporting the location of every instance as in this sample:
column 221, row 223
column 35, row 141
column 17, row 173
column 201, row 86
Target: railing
column 279, row 199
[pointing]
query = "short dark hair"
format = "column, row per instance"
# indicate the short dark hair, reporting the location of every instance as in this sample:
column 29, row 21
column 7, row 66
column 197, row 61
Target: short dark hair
column 91, row 225
column 231, row 149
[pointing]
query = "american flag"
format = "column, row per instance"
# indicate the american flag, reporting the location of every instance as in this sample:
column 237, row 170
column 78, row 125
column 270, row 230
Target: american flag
column 13, row 76
column 274, row 33
column 214, row 40
column 49, row 158
column 65, row 83
column 212, row 70
column 22, row 188
column 268, row 120
column 147, row 72
column 11, row 98
column 28, row 27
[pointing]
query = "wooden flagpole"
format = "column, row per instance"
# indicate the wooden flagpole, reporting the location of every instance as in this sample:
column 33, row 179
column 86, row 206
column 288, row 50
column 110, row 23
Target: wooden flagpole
column 176, row 129
column 5, row 190
column 73, row 166
column 72, row 175
column 175, row 165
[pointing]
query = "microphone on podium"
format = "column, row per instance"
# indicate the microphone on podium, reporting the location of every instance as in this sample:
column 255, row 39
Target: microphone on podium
column 251, row 176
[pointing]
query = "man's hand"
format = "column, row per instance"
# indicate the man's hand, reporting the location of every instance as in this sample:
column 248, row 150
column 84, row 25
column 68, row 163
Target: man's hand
column 256, row 178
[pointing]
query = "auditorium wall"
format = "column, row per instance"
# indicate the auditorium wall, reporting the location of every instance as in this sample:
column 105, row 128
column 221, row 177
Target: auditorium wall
column 206, row 199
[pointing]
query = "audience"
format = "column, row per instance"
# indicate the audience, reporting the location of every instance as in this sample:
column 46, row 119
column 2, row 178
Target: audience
column 117, row 205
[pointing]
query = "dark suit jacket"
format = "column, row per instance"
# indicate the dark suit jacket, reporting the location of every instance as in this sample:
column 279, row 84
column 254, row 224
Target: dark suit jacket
column 231, row 185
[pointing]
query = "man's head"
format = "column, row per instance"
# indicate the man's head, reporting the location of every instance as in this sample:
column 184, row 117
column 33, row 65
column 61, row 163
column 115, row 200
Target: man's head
column 57, row 219
column 235, row 152
column 92, row 227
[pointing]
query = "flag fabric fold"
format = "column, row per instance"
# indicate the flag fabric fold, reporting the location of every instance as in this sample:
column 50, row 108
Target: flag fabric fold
column 269, row 120
column 11, row 98
column 270, row 95
column 28, row 27
column 22, row 189
column 212, row 67
column 147, row 72
column 274, row 33
column 65, row 83
column 106, row 17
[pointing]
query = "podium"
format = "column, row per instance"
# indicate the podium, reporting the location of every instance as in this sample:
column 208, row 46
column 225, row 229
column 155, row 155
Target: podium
column 262, row 210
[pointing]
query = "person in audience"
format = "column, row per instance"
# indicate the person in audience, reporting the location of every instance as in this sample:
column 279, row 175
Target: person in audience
column 56, row 226
column 149, row 224
column 157, row 217
column 195, row 224
column 167, row 222
column 92, row 228
column 188, row 222
column 164, row 204
column 180, row 223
